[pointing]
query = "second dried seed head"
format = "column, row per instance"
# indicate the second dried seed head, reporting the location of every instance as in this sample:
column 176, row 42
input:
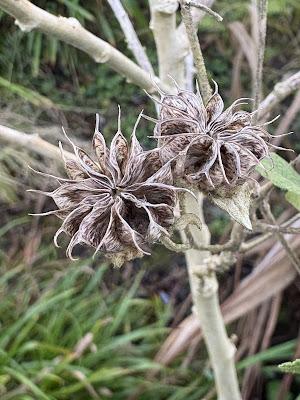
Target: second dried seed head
column 215, row 149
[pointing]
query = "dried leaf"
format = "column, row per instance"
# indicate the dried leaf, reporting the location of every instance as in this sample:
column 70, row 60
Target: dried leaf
column 237, row 205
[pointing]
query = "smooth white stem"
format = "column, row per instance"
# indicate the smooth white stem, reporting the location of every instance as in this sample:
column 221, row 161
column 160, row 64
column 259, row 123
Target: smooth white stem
column 163, row 25
column 204, row 287
column 69, row 30
column 132, row 39
column 221, row 350
column 206, row 302
column 33, row 143
column 189, row 72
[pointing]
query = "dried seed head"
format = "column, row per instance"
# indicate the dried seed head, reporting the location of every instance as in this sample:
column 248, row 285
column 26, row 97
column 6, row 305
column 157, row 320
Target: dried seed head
column 120, row 203
column 216, row 149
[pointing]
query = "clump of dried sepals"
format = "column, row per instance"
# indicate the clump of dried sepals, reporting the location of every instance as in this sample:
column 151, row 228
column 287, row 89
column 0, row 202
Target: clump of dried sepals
column 216, row 149
column 120, row 203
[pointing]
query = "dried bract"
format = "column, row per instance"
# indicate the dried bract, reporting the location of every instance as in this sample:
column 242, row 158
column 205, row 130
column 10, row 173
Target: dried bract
column 120, row 203
column 217, row 148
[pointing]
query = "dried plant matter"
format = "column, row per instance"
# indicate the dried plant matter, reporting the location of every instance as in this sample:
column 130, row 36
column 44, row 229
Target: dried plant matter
column 118, row 204
column 217, row 148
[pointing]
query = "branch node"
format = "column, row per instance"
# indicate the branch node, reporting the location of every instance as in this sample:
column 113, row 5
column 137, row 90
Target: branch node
column 204, row 8
column 177, row 247
column 27, row 26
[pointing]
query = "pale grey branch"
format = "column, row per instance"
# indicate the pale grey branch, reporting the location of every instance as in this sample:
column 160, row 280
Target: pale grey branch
column 33, row 143
column 132, row 39
column 163, row 26
column 280, row 92
column 69, row 30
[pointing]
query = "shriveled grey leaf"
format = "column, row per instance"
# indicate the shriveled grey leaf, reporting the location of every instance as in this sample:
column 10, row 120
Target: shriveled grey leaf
column 237, row 205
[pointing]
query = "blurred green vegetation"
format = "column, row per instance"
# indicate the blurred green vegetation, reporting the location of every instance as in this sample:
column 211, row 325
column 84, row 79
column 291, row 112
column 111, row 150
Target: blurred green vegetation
column 44, row 71
column 82, row 331
column 49, row 304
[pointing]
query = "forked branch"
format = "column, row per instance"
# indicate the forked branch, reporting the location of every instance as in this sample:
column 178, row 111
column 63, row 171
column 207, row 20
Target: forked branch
column 69, row 30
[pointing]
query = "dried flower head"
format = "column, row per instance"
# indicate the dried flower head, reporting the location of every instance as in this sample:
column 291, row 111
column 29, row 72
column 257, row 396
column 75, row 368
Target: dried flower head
column 217, row 148
column 120, row 203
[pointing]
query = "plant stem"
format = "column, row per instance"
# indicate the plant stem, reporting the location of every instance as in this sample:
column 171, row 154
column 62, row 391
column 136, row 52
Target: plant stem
column 163, row 26
column 261, row 6
column 191, row 31
column 281, row 90
column 221, row 350
column 131, row 36
column 32, row 142
column 204, row 287
column 203, row 282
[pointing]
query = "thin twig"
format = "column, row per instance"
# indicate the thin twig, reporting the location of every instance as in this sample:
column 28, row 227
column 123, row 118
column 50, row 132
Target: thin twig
column 288, row 118
column 262, row 6
column 267, row 213
column 205, row 9
column 263, row 227
column 246, row 246
column 183, row 45
column 236, row 238
column 280, row 92
column 196, row 50
column 132, row 39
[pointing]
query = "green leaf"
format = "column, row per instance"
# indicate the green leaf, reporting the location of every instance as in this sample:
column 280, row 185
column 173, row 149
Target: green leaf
column 27, row 94
column 294, row 199
column 78, row 10
column 292, row 367
column 237, row 205
column 37, row 49
column 280, row 173
column 28, row 383
column 278, row 352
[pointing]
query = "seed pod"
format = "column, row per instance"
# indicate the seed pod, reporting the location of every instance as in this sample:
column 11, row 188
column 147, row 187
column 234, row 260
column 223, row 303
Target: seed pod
column 216, row 149
column 118, row 204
